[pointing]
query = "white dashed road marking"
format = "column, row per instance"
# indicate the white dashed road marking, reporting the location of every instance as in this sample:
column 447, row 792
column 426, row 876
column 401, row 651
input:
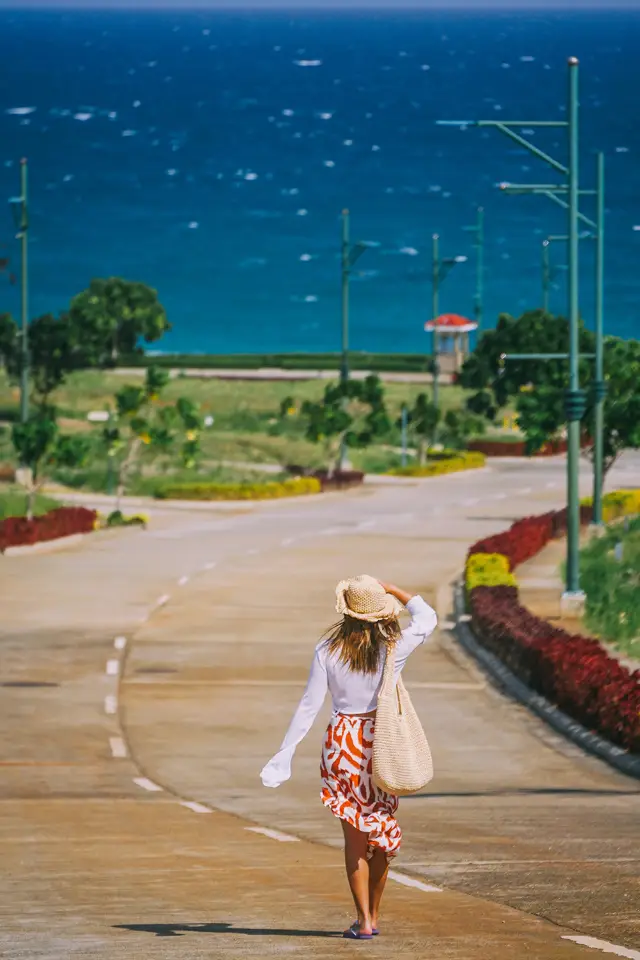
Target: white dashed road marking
column 412, row 882
column 118, row 747
column 552, row 484
column 162, row 600
column 470, row 502
column 288, row 541
column 110, row 704
column 210, row 565
column 182, row 581
column 605, row 947
column 120, row 643
column 147, row 785
column 113, row 668
column 196, row 807
column 273, row 834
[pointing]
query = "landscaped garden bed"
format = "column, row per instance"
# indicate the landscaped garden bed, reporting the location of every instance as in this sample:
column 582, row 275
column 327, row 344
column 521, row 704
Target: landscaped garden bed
column 441, row 463
column 297, row 487
column 571, row 671
column 54, row 525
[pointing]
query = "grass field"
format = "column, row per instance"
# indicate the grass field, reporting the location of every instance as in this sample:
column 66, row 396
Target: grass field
column 13, row 503
column 246, row 430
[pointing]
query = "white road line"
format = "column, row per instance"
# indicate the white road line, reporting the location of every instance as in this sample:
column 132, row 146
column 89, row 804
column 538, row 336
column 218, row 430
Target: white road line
column 288, row 541
column 605, row 947
column 499, row 496
column 183, row 580
column 163, row 599
column 196, row 807
column 120, row 643
column 525, row 491
column 253, row 552
column 147, row 784
column 113, row 668
column 110, row 704
column 412, row 882
column 210, row 565
column 470, row 502
column 118, row 747
column 273, row 834
column 552, row 484
column 367, row 524
column 447, row 625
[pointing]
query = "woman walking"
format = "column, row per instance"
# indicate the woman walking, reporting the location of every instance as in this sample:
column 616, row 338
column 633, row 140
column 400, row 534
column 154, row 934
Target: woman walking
column 349, row 663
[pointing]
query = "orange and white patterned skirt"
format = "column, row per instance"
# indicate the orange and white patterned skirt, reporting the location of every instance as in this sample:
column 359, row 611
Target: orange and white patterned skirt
column 348, row 789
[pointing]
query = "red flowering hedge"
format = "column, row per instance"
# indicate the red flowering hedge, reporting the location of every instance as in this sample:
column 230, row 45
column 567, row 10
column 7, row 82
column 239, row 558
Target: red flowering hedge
column 63, row 522
column 571, row 671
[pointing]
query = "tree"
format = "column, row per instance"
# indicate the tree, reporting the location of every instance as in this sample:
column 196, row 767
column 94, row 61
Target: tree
column 353, row 412
column 8, row 337
column 423, row 419
column 458, row 427
column 53, row 353
column 539, row 386
column 140, row 420
column 112, row 315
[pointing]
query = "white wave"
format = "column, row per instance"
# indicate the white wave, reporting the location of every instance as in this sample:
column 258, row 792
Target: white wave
column 68, row 177
column 152, row 63
column 290, row 192
column 329, row 163
column 409, row 251
column 375, row 148
column 251, row 176
column 83, row 117
column 527, row 59
column 277, row 49
column 435, row 188
column 308, row 63
column 21, row 111
column 129, row 133
column 137, row 103
column 194, row 225
column 302, row 213
column 306, row 257
column 112, row 115
column 506, row 66
column 347, row 143
column 287, row 113
column 311, row 298
column 636, row 227
column 497, row 106
column 447, row 194
column 622, row 149
column 425, row 66
column 325, row 116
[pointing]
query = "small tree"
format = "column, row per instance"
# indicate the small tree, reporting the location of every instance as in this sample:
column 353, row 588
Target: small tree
column 423, row 419
column 112, row 315
column 459, row 426
column 353, row 412
column 53, row 353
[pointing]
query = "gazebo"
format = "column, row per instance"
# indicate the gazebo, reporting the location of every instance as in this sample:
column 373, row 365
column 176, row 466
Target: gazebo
column 455, row 329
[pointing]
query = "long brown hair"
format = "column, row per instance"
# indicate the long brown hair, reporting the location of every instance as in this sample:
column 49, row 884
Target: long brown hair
column 360, row 644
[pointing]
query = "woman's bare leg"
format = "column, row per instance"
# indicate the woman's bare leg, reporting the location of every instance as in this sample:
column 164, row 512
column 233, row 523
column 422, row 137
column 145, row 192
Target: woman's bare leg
column 355, row 858
column 378, row 870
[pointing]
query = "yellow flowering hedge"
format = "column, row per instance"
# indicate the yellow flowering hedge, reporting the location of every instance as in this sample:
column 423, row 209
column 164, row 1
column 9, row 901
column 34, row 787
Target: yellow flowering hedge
column 489, row 570
column 464, row 460
column 618, row 503
column 297, row 487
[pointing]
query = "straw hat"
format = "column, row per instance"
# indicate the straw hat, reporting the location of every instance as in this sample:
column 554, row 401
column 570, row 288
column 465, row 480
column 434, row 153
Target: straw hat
column 364, row 598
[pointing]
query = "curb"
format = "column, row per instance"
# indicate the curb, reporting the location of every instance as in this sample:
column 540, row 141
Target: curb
column 592, row 743
column 46, row 546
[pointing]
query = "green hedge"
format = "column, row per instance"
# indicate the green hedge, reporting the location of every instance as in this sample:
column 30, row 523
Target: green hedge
column 238, row 491
column 389, row 362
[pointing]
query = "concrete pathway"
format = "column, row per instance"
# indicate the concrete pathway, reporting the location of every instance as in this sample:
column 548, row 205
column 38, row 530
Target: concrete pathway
column 139, row 661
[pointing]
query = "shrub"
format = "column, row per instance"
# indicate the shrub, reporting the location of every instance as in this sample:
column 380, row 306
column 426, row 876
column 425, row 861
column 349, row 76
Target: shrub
column 239, row 491
column 63, row 522
column 618, row 503
column 442, row 464
column 488, row 570
column 118, row 519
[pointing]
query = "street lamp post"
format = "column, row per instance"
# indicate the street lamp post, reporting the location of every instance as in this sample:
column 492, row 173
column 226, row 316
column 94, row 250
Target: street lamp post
column 547, row 272
column 20, row 207
column 599, row 385
column 575, row 397
column 351, row 253
column 477, row 229
column 440, row 268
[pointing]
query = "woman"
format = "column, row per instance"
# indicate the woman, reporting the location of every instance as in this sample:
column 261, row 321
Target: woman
column 349, row 663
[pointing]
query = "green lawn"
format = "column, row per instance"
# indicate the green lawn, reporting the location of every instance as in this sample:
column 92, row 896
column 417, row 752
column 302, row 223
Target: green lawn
column 612, row 586
column 13, row 503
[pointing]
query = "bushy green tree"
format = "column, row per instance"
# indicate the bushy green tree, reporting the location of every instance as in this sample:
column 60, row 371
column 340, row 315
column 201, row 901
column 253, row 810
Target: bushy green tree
column 423, row 419
column 351, row 412
column 112, row 315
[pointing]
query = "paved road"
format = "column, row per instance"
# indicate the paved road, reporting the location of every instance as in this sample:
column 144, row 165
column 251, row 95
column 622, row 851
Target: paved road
column 531, row 841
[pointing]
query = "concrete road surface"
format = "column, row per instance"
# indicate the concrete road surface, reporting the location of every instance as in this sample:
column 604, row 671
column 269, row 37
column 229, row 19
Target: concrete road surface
column 146, row 677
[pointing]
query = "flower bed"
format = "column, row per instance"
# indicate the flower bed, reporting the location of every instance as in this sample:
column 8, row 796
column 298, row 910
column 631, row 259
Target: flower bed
column 338, row 480
column 239, row 491
column 571, row 671
column 464, row 460
column 63, row 522
column 516, row 448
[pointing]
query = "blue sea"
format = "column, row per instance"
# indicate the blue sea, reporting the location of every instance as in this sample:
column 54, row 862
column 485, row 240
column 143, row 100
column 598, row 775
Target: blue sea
column 210, row 154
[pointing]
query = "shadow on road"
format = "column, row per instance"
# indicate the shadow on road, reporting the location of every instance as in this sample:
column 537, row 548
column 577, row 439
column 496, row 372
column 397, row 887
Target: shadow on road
column 179, row 929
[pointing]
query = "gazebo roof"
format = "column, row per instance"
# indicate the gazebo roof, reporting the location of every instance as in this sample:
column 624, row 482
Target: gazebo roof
column 451, row 323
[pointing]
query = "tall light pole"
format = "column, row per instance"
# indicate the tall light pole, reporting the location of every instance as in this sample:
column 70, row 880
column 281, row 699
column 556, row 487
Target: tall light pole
column 575, row 397
column 547, row 272
column 20, row 207
column 440, row 268
column 599, row 385
column 477, row 229
column 350, row 254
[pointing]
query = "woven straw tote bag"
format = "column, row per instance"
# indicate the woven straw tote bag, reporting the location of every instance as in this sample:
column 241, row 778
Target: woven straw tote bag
column 402, row 761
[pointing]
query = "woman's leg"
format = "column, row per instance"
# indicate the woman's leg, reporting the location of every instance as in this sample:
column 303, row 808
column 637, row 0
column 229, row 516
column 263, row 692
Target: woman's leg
column 378, row 870
column 355, row 858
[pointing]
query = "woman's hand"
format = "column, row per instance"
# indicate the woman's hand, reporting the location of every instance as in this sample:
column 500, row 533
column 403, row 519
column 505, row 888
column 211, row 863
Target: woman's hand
column 396, row 592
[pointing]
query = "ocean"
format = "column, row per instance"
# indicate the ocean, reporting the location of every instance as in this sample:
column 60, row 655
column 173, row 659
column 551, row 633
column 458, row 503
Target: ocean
column 210, row 155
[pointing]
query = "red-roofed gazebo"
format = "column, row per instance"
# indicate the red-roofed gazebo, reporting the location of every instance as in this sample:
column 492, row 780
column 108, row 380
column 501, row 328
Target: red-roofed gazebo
column 456, row 328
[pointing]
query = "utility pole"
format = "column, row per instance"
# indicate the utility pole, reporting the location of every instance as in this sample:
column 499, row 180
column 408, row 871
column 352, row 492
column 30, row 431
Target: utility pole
column 546, row 275
column 20, row 208
column 435, row 312
column 477, row 229
column 599, row 385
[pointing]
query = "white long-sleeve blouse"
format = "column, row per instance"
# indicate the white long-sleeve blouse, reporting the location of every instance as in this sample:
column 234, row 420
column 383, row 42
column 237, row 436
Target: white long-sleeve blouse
column 351, row 692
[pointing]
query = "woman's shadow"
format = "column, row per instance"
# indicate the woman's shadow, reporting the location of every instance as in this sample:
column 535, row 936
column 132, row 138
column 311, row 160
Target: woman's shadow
column 179, row 929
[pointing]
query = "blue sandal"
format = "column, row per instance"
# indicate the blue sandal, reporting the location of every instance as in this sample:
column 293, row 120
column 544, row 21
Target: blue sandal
column 353, row 933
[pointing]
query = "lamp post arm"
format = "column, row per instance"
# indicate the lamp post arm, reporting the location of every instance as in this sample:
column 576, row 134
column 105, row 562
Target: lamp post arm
column 523, row 142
